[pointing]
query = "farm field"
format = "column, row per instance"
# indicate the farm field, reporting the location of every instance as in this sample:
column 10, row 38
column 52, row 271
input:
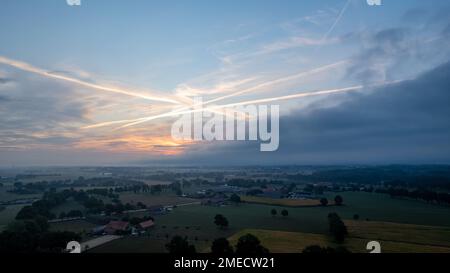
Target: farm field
column 154, row 200
column 8, row 215
column 137, row 245
column 6, row 196
column 281, row 202
column 67, row 207
column 79, row 226
column 374, row 207
column 197, row 223
column 405, row 233
column 295, row 242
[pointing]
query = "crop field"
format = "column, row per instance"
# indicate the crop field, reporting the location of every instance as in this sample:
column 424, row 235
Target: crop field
column 295, row 242
column 404, row 233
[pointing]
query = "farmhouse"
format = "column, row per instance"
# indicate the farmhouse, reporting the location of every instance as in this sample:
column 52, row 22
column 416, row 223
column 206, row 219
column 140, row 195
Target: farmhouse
column 146, row 225
column 116, row 227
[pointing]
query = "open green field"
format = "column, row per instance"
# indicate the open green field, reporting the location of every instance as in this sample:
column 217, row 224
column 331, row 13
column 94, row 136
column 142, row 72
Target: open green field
column 137, row 245
column 295, row 242
column 79, row 226
column 68, row 206
column 154, row 200
column 281, row 202
column 6, row 196
column 380, row 207
column 311, row 220
column 8, row 215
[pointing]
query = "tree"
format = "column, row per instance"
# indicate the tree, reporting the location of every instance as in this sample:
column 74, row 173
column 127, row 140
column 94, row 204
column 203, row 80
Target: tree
column 273, row 212
column 285, row 212
column 75, row 214
column 57, row 241
column 249, row 244
column 180, row 245
column 235, row 198
column 221, row 246
column 27, row 212
column 356, row 217
column 221, row 221
column 324, row 202
column 42, row 223
column 154, row 189
column 337, row 227
column 338, row 200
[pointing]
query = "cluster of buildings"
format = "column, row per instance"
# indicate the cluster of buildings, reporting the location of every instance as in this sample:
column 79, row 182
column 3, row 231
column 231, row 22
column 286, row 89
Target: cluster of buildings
column 123, row 228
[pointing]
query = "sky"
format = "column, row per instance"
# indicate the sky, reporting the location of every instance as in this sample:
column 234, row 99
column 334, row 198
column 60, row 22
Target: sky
column 93, row 84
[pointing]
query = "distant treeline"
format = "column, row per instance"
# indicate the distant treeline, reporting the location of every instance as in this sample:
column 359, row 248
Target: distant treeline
column 249, row 183
column 418, row 194
column 410, row 176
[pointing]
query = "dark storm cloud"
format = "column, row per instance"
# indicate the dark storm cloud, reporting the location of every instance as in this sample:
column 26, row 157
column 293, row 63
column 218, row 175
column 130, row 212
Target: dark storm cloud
column 389, row 46
column 403, row 123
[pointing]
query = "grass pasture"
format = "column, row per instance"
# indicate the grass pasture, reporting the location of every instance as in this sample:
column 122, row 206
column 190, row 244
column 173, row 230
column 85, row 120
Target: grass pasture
column 8, row 215
column 132, row 245
column 78, row 226
column 154, row 200
column 413, row 226
column 280, row 202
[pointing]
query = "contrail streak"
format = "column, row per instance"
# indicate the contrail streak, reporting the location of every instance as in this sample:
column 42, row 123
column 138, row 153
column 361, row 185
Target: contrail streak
column 278, row 81
column 331, row 29
column 248, row 90
column 267, row 84
column 39, row 71
column 341, row 13
column 287, row 97
column 217, row 107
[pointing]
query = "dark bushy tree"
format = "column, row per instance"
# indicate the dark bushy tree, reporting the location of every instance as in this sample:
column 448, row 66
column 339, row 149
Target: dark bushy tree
column 324, row 202
column 338, row 200
column 337, row 227
column 221, row 246
column 180, row 245
column 235, row 198
column 221, row 221
column 250, row 245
